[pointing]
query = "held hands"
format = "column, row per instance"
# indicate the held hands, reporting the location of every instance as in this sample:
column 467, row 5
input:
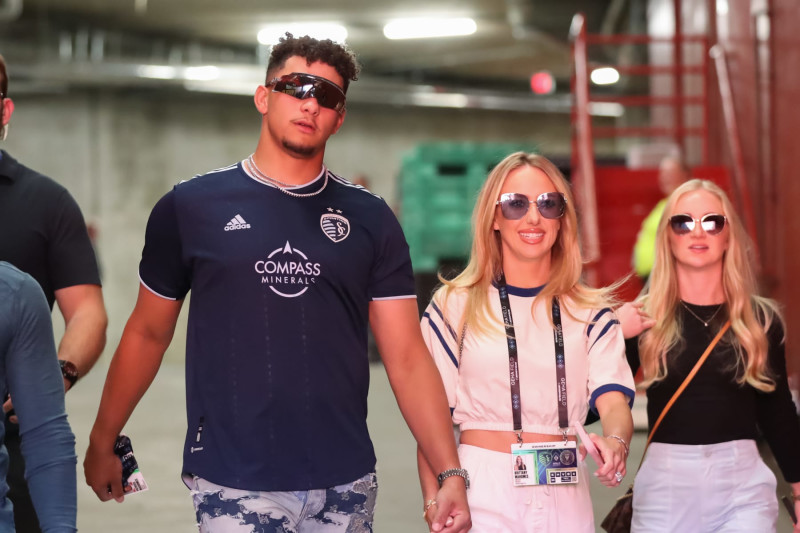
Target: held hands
column 448, row 512
column 614, row 456
column 103, row 471
column 633, row 319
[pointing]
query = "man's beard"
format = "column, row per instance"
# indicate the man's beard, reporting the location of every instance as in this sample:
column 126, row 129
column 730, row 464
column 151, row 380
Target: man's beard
column 299, row 150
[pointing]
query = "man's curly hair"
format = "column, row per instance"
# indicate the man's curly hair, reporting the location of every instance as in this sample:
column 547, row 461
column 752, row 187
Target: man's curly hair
column 337, row 55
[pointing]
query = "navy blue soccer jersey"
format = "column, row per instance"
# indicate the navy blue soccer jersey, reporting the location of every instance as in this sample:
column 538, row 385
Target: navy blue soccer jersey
column 276, row 355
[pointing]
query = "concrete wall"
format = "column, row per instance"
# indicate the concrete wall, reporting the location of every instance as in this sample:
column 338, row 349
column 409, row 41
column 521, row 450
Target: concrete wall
column 118, row 153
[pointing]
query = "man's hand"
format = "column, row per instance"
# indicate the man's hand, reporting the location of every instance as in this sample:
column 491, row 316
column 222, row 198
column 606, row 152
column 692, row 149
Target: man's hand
column 450, row 514
column 103, row 471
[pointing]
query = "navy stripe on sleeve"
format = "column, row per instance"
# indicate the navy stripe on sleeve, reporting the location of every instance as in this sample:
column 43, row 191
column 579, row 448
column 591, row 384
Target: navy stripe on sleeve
column 604, row 331
column 596, row 319
column 599, row 391
column 444, row 321
column 441, row 339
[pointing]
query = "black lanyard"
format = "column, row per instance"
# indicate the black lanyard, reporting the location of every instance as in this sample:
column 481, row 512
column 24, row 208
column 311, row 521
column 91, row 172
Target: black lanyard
column 513, row 361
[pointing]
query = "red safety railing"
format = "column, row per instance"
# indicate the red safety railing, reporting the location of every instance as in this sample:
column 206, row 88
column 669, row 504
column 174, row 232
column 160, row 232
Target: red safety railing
column 584, row 132
column 583, row 149
column 742, row 192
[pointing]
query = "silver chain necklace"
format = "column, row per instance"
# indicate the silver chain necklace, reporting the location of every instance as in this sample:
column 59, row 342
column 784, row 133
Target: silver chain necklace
column 281, row 186
column 705, row 322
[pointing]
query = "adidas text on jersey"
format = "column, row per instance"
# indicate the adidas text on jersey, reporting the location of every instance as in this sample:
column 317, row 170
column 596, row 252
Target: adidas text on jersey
column 236, row 222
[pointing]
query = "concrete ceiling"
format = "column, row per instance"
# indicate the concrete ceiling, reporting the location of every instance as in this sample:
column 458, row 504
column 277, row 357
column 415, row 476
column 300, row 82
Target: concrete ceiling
column 72, row 41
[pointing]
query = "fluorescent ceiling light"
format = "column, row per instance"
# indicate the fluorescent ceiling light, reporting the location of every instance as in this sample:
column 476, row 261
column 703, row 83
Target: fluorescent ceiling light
column 606, row 109
column 455, row 100
column 206, row 73
column 157, row 72
column 605, row 76
column 722, row 7
column 319, row 30
column 418, row 28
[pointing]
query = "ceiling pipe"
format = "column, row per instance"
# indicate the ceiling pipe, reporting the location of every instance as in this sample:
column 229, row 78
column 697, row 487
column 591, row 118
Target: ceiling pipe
column 242, row 79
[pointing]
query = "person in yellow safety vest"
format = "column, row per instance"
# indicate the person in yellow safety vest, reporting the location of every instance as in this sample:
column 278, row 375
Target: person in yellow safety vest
column 672, row 172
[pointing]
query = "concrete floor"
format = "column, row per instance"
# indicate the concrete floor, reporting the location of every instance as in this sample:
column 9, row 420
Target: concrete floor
column 157, row 429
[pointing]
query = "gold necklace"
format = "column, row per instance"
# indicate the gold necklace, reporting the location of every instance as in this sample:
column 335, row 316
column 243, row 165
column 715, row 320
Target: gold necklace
column 705, row 322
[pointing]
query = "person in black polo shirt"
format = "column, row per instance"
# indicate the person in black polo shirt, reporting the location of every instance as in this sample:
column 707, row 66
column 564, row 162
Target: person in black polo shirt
column 287, row 264
column 43, row 233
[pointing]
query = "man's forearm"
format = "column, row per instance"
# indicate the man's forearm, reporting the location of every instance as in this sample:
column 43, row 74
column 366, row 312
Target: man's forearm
column 132, row 370
column 427, row 477
column 422, row 400
column 85, row 323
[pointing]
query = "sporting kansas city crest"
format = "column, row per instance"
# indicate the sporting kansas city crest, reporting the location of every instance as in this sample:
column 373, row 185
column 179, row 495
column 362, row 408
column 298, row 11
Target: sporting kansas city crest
column 335, row 227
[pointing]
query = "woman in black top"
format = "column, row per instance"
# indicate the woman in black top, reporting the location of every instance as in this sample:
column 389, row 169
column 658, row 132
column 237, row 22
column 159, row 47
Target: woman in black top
column 703, row 471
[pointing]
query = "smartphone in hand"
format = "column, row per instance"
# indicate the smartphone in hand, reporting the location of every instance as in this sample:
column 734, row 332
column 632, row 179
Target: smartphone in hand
column 132, row 480
column 591, row 449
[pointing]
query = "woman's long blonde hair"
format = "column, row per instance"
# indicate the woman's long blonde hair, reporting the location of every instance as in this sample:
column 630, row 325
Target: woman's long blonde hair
column 486, row 256
column 750, row 314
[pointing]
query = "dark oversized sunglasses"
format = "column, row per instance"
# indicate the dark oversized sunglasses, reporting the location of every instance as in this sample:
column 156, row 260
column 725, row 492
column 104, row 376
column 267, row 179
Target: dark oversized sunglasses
column 514, row 205
column 303, row 86
column 683, row 224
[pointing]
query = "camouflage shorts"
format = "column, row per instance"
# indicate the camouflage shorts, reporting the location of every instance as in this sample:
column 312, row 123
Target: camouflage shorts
column 342, row 509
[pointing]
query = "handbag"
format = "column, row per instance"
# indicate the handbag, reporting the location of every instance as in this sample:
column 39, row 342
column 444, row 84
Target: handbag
column 618, row 519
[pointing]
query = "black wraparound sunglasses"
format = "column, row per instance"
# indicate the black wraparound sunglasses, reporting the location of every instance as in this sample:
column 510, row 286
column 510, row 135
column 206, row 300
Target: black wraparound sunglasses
column 683, row 224
column 514, row 205
column 302, row 86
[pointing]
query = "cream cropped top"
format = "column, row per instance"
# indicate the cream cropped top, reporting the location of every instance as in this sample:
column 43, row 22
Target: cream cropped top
column 477, row 380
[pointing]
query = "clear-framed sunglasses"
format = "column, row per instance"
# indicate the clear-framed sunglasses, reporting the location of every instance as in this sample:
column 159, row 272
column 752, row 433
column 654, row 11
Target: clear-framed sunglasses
column 515, row 205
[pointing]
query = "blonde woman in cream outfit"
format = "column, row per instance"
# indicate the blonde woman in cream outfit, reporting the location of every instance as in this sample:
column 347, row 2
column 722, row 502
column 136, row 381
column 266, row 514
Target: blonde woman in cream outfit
column 525, row 228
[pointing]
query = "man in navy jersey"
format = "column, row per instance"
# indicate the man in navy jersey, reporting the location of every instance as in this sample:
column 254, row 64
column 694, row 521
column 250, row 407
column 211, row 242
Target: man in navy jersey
column 288, row 264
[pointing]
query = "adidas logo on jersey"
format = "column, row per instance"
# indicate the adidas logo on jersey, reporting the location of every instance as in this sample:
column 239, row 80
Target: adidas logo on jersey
column 236, row 222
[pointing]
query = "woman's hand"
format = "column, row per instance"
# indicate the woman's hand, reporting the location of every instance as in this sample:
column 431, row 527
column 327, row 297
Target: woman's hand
column 633, row 319
column 615, row 456
column 448, row 512
column 795, row 487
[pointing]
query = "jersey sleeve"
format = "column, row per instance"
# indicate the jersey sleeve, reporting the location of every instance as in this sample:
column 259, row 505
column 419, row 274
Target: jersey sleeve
column 37, row 390
column 608, row 367
column 70, row 257
column 162, row 268
column 442, row 341
column 392, row 277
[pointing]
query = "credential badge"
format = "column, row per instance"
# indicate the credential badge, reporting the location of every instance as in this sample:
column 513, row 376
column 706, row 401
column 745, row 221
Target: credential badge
column 336, row 227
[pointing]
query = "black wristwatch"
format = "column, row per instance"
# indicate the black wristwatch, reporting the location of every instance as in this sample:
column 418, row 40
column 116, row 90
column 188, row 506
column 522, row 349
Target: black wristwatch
column 453, row 472
column 69, row 371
